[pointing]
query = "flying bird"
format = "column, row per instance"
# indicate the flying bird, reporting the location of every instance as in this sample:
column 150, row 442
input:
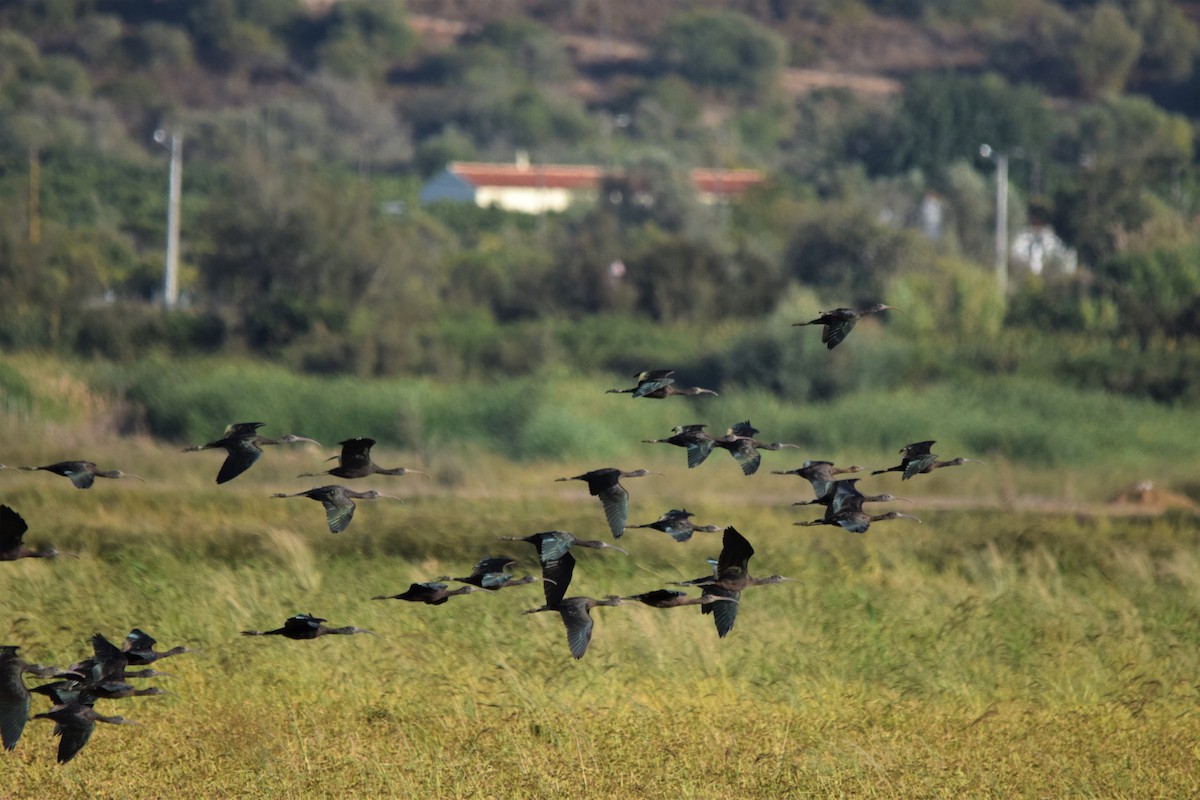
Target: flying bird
column 605, row 484
column 669, row 598
column 338, row 502
column 917, row 459
column 74, row 723
column 244, row 446
column 677, row 524
column 558, row 565
column 306, row 626
column 82, row 473
column 698, row 443
column 355, row 462
column 14, row 697
column 657, row 384
column 139, row 649
column 12, row 535
column 492, row 573
column 740, row 442
column 433, row 594
column 821, row 475
column 840, row 321
column 731, row 576
column 576, row 616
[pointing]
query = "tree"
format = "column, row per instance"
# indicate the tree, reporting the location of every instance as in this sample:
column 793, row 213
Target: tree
column 1107, row 50
column 721, row 50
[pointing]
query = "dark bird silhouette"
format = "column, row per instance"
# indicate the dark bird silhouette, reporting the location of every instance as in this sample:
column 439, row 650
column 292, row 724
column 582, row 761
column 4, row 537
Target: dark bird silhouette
column 338, row 502
column 14, row 697
column 730, row 578
column 70, row 691
column 917, row 458
column 139, row 649
column 677, row 524
column 244, row 446
column 821, row 475
column 74, row 722
column 433, row 594
column 669, row 598
column 576, row 616
column 740, row 442
column 355, row 462
column 855, row 520
column 492, row 573
column 306, row 626
column 698, row 443
column 605, row 484
column 82, row 473
column 845, row 496
column 108, row 662
column 840, row 321
column 657, row 384
column 558, row 565
column 12, row 534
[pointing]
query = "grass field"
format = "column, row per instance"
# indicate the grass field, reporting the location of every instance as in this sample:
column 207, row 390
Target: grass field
column 984, row 652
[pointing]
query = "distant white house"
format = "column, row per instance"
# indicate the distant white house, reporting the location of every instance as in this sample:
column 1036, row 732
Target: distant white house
column 1039, row 247
column 539, row 188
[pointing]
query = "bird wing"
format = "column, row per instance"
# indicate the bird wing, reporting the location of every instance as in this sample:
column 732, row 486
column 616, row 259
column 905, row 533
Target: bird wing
column 12, row 528
column 75, row 734
column 551, row 546
column 915, row 465
column 649, row 385
column 579, row 627
column 747, row 455
column 846, row 497
column 854, row 522
column 724, row 614
column 679, row 530
column 81, row 477
column 560, row 571
column 338, row 513
column 698, row 450
column 243, row 452
column 486, row 566
column 659, row 596
column 833, row 334
column 616, row 508
column 735, row 553
column 356, row 453
column 14, row 704
column 301, row 625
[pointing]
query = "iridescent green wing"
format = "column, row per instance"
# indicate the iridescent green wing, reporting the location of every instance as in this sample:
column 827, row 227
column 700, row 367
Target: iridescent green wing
column 616, row 508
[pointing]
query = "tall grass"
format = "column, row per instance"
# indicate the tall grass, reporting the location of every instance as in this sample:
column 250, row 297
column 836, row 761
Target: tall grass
column 978, row 653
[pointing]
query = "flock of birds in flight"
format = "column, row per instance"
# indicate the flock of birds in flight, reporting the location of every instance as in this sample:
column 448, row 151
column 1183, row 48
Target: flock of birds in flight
column 76, row 689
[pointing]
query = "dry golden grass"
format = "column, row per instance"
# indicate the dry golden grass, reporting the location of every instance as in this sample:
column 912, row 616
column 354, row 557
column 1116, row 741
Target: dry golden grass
column 989, row 653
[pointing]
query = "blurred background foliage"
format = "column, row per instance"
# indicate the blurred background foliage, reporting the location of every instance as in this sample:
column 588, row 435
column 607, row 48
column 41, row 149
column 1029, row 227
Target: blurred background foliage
column 310, row 127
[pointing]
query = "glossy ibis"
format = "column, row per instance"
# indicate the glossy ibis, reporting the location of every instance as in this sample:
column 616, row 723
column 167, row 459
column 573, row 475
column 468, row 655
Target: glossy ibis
column 306, row 626
column 14, row 697
column 740, row 442
column 244, row 446
column 71, row 691
column 840, row 321
column 856, row 520
column 677, row 524
column 355, row 462
column 12, row 534
column 669, row 598
column 139, row 649
column 657, row 384
column 821, row 474
column 74, row 722
column 731, row 577
column 338, row 502
column 698, row 443
column 82, row 473
column 433, row 594
column 605, row 484
column 558, row 565
column 576, row 616
column 492, row 573
column 917, row 458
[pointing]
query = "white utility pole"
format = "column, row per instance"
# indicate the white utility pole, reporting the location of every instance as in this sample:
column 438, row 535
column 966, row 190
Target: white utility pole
column 1001, row 160
column 174, row 143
